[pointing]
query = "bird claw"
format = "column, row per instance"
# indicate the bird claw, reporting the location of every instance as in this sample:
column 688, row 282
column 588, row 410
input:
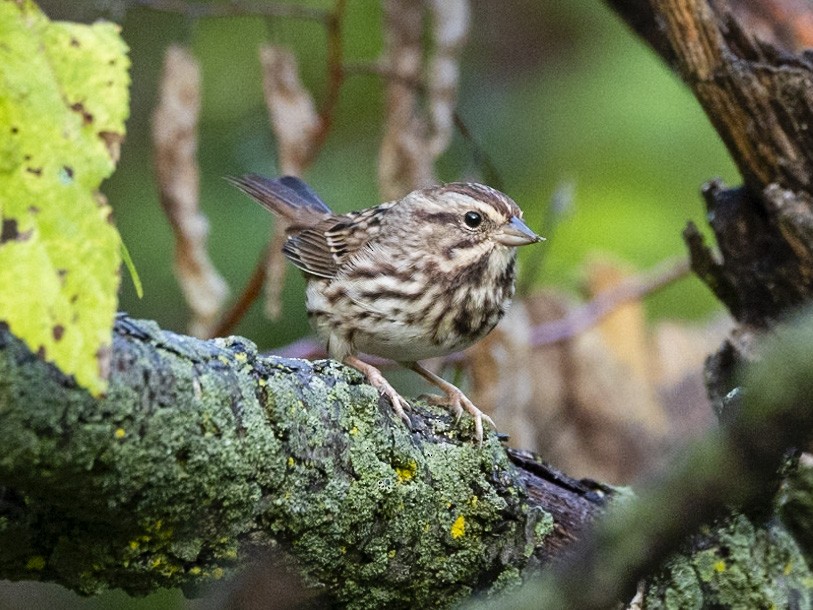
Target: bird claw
column 458, row 402
column 439, row 400
column 379, row 382
column 398, row 402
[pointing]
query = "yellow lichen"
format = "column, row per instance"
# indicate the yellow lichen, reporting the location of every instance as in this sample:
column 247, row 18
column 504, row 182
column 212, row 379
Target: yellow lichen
column 290, row 462
column 37, row 562
column 194, row 570
column 406, row 473
column 719, row 566
column 163, row 564
column 241, row 356
column 120, row 433
column 391, row 553
column 458, row 527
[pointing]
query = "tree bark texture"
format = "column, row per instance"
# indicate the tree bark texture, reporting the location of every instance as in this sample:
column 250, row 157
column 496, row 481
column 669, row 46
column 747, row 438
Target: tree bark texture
column 203, row 449
column 758, row 93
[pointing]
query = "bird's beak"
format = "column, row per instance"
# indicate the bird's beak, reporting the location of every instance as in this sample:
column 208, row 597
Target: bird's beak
column 517, row 233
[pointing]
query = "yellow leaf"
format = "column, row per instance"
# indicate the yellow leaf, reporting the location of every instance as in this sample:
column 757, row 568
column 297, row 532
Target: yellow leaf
column 63, row 103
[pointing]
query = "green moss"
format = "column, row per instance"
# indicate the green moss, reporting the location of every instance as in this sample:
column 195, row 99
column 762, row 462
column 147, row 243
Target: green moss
column 746, row 567
column 304, row 455
column 139, row 509
column 389, row 515
column 795, row 506
column 509, row 579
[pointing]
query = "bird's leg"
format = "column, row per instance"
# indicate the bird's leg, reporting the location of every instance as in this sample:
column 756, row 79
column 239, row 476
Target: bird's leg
column 378, row 381
column 453, row 398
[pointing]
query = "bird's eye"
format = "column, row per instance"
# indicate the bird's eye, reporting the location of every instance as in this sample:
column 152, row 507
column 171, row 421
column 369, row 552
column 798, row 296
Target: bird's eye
column 473, row 219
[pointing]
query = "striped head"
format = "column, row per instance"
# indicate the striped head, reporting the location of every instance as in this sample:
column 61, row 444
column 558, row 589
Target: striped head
column 460, row 221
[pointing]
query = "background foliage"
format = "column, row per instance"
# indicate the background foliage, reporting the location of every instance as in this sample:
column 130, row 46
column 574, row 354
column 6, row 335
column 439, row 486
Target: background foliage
column 552, row 91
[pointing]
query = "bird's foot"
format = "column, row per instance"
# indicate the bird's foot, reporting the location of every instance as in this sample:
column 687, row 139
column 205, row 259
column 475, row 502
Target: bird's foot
column 453, row 398
column 379, row 382
column 458, row 402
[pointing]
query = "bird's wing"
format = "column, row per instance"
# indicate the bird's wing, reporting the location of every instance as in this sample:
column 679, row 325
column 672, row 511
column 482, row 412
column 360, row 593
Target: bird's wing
column 318, row 241
column 321, row 250
column 310, row 251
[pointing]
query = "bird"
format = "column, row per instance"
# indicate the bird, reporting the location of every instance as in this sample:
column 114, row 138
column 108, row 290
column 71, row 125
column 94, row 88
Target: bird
column 415, row 278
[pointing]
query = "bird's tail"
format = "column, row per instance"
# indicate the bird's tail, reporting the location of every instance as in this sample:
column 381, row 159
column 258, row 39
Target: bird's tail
column 287, row 196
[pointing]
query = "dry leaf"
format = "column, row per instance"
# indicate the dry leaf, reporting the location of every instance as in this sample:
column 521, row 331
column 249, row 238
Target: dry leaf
column 292, row 112
column 175, row 143
column 414, row 136
column 600, row 402
column 295, row 124
column 450, row 30
column 404, row 160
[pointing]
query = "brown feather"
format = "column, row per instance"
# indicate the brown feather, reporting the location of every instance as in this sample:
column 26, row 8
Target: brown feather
column 287, row 197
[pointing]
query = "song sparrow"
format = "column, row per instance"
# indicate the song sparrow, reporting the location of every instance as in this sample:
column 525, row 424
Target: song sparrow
column 411, row 279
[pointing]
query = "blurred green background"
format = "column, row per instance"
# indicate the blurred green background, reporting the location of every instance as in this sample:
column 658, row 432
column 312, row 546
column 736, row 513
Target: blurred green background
column 555, row 92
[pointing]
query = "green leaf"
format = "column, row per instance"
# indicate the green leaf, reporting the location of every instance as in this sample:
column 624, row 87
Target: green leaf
column 128, row 262
column 63, row 103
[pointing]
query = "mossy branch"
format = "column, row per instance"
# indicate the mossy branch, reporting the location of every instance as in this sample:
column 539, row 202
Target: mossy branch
column 203, row 447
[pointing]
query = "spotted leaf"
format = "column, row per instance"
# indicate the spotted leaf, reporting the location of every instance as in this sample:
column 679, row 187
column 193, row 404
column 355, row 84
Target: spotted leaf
column 63, row 103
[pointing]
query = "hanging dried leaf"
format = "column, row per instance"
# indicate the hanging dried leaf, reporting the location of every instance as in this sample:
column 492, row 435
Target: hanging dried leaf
column 291, row 110
column 450, row 29
column 296, row 124
column 175, row 142
column 405, row 160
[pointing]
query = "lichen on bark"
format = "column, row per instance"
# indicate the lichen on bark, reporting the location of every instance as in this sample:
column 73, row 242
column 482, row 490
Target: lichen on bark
column 200, row 448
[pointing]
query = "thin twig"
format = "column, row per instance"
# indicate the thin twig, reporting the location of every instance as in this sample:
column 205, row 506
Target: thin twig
column 376, row 68
column 589, row 314
column 175, row 143
column 235, row 8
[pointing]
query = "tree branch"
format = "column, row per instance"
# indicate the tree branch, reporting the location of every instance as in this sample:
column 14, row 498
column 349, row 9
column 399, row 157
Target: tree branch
column 755, row 95
column 201, row 448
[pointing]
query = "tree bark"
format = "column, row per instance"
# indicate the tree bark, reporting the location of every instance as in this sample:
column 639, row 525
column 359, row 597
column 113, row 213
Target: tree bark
column 759, row 97
column 201, row 449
